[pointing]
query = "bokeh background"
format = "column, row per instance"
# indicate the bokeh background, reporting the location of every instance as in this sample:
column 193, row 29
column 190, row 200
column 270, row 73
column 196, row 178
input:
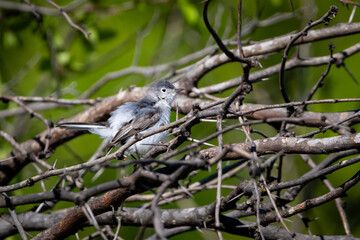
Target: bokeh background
column 50, row 58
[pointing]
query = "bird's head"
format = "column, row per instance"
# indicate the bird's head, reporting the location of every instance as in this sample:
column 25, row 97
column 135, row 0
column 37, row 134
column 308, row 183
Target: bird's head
column 162, row 90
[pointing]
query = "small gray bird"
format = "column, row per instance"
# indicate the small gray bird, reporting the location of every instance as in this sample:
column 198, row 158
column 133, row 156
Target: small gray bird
column 131, row 118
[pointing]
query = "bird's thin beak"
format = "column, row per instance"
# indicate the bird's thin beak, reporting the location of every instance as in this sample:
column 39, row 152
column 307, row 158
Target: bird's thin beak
column 179, row 89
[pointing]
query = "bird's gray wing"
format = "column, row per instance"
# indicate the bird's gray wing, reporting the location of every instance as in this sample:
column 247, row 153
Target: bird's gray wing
column 145, row 119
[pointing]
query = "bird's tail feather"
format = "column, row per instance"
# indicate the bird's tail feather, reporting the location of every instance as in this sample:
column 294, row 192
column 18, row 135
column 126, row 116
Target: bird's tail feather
column 100, row 129
column 81, row 125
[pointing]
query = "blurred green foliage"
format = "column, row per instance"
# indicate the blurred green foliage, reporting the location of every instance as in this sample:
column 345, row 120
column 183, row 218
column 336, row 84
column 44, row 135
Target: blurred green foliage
column 50, row 58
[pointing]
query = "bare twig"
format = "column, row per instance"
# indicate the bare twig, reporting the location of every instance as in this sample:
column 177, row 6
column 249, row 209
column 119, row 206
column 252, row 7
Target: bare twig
column 319, row 83
column 48, row 124
column 324, row 19
column 55, row 100
column 219, row 181
column 91, row 218
column 217, row 39
column 338, row 201
column 239, row 30
column 68, row 19
column 14, row 217
column 349, row 2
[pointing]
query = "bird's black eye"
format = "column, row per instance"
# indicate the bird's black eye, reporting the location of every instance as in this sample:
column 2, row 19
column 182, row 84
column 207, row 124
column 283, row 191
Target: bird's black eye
column 163, row 89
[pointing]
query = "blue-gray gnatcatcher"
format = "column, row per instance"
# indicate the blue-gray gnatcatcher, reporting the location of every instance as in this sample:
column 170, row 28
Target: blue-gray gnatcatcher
column 135, row 117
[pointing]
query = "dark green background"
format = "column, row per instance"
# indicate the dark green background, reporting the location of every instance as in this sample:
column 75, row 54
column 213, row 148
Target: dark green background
column 176, row 30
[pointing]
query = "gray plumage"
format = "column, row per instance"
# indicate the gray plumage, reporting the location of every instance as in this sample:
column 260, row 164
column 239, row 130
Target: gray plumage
column 131, row 118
